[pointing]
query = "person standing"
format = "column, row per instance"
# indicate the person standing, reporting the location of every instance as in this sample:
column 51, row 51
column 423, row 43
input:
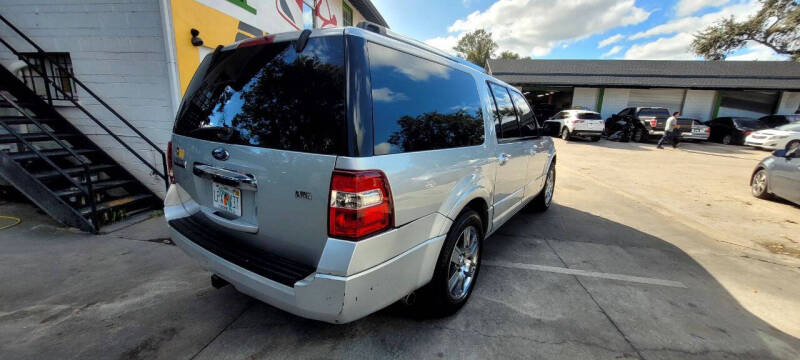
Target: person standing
column 671, row 131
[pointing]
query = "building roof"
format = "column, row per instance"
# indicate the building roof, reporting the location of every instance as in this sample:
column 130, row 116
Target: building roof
column 369, row 11
column 773, row 75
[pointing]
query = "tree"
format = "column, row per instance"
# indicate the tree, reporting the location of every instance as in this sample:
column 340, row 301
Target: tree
column 776, row 26
column 509, row 55
column 476, row 47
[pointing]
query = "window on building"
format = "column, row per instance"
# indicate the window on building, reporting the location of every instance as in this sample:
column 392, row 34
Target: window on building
column 347, row 15
column 505, row 114
column 419, row 104
column 57, row 67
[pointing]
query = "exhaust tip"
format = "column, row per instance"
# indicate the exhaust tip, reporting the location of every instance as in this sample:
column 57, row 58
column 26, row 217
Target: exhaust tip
column 218, row 282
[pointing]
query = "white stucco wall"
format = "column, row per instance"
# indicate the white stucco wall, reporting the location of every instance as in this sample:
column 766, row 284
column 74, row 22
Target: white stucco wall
column 117, row 50
column 614, row 100
column 789, row 103
column 699, row 104
column 585, row 97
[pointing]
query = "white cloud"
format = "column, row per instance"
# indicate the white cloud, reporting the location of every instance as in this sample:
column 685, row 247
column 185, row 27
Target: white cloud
column 387, row 95
column 688, row 7
column 610, row 40
column 755, row 51
column 535, row 27
column 614, row 50
column 677, row 35
column 417, row 71
column 666, row 48
column 445, row 43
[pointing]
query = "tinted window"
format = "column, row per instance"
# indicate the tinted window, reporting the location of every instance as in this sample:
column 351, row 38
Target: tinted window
column 589, row 116
column 748, row 123
column 504, row 113
column 527, row 122
column 654, row 112
column 421, row 105
column 260, row 96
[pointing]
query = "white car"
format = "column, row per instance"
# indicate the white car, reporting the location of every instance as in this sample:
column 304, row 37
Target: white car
column 781, row 137
column 581, row 123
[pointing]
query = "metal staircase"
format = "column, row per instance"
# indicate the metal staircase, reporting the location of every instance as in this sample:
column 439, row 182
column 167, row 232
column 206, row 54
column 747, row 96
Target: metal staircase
column 56, row 166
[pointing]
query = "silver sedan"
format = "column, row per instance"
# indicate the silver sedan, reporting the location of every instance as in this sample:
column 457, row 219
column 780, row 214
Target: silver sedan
column 778, row 175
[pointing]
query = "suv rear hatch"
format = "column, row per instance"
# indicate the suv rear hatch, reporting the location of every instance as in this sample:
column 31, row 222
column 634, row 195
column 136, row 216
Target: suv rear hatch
column 258, row 134
column 589, row 121
column 654, row 118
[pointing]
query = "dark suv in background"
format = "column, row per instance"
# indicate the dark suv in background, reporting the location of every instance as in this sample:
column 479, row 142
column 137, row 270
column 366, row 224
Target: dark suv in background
column 642, row 122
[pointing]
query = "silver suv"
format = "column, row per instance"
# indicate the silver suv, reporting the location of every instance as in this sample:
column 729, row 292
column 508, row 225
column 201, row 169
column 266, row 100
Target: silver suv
column 331, row 173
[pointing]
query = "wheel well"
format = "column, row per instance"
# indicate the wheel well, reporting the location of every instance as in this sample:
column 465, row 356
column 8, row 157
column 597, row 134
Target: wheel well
column 480, row 206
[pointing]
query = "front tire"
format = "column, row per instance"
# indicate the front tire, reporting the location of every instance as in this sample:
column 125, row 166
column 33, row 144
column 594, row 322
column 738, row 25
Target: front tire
column 758, row 184
column 456, row 269
column 639, row 135
column 727, row 139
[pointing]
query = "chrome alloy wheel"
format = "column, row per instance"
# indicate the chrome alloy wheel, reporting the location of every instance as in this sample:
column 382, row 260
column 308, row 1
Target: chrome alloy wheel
column 549, row 186
column 759, row 184
column 463, row 263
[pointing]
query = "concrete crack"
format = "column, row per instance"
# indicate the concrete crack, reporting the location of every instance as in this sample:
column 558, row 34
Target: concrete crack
column 250, row 303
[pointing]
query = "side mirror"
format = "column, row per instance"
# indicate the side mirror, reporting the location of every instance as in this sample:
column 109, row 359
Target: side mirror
column 550, row 128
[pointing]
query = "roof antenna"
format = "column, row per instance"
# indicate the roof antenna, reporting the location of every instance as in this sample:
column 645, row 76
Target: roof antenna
column 301, row 42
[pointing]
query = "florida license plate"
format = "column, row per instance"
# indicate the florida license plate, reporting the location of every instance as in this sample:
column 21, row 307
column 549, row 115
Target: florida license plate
column 226, row 198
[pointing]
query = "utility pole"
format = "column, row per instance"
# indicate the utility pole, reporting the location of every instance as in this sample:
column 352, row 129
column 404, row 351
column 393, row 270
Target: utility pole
column 313, row 12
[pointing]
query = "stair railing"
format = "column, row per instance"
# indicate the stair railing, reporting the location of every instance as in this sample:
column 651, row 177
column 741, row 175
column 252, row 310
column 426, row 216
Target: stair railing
column 49, row 82
column 88, row 190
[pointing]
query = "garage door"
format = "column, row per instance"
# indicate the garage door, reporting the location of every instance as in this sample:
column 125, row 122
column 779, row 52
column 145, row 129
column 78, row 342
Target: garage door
column 666, row 98
column 747, row 103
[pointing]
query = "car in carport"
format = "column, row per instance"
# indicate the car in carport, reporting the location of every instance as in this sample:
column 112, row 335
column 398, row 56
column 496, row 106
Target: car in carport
column 733, row 130
column 643, row 122
column 693, row 129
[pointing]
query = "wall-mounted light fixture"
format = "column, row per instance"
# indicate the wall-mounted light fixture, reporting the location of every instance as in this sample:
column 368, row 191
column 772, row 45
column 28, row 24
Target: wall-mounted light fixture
column 196, row 41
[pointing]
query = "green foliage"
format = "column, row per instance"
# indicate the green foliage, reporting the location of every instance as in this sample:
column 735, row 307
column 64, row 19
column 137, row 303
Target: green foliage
column 476, row 47
column 776, row 26
column 509, row 55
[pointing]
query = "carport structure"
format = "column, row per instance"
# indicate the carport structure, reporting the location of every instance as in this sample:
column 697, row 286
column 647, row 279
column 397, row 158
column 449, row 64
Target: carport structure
column 698, row 89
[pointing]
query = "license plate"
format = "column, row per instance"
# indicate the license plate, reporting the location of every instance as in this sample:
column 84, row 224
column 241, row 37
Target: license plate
column 227, row 198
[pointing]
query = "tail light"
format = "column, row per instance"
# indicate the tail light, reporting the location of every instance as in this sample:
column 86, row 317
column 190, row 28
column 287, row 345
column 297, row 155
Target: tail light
column 708, row 130
column 360, row 204
column 578, row 121
column 747, row 132
column 653, row 123
column 170, row 174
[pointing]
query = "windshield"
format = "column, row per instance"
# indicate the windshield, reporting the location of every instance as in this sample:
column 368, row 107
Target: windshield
column 270, row 96
column 654, row 112
column 589, row 116
column 747, row 123
column 789, row 127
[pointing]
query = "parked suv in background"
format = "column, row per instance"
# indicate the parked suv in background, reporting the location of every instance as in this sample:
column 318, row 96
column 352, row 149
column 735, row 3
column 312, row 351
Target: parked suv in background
column 733, row 130
column 580, row 123
column 333, row 172
column 644, row 122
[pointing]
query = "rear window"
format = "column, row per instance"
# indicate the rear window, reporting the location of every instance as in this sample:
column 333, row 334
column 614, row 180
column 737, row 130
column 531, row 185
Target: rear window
column 654, row 112
column 270, row 96
column 419, row 104
column 748, row 123
column 589, row 116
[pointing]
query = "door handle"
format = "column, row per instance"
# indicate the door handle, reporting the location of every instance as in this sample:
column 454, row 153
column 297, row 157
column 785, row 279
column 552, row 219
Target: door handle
column 503, row 157
column 226, row 177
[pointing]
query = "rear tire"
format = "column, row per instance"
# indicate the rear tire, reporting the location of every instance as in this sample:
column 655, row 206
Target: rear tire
column 543, row 200
column 758, row 184
column 565, row 135
column 456, row 269
column 639, row 135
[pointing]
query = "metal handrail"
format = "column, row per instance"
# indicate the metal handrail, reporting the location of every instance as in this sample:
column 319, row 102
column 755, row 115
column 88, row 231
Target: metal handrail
column 49, row 82
column 89, row 190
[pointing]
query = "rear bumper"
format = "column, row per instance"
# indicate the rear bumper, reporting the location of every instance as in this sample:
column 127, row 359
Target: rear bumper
column 350, row 281
column 329, row 298
column 587, row 132
column 655, row 132
column 691, row 136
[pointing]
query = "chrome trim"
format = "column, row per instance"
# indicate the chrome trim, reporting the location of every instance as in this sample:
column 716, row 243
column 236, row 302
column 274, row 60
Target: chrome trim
column 226, row 177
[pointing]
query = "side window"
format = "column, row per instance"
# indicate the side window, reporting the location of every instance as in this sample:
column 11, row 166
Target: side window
column 527, row 122
column 507, row 117
column 418, row 104
column 558, row 116
column 624, row 112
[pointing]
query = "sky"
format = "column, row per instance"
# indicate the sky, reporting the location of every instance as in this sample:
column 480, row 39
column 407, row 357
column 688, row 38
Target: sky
column 573, row 29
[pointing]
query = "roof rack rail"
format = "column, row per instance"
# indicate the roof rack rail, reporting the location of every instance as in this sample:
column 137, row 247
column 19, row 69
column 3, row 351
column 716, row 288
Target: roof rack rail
column 378, row 29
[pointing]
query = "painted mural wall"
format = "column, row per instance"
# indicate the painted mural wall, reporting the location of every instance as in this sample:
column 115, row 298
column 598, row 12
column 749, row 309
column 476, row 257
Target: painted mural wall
column 222, row 22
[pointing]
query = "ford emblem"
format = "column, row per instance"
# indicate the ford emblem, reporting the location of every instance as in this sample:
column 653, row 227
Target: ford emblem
column 220, row 154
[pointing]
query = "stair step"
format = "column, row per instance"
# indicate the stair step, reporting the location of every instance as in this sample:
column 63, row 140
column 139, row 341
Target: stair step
column 21, row 120
column 115, row 203
column 28, row 155
column 99, row 185
column 72, row 171
column 33, row 137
